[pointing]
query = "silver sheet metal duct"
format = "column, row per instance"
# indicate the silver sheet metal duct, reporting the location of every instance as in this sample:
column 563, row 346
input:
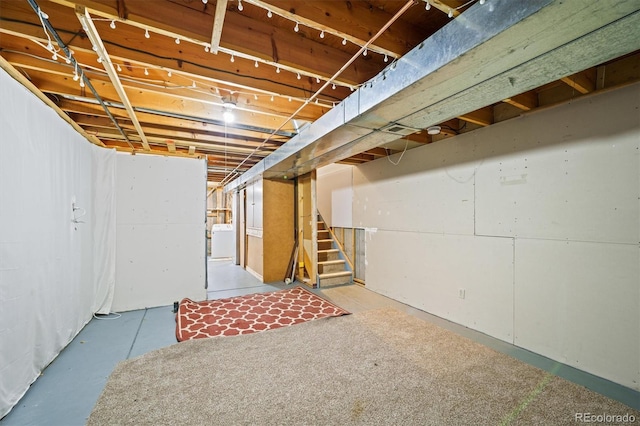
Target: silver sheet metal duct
column 490, row 53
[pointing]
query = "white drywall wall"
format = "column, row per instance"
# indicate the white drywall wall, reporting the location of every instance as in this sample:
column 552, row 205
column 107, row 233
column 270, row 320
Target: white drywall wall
column 535, row 217
column 161, row 228
column 50, row 279
column 334, row 188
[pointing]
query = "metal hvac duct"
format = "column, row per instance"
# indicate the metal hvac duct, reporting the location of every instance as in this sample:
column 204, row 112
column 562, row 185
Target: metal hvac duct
column 489, row 53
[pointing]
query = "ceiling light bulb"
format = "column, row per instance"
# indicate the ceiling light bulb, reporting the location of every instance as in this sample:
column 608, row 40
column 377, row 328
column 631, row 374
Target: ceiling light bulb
column 82, row 83
column 206, row 48
column 344, row 41
column 113, row 24
column 169, row 74
column 146, row 71
column 99, row 59
column 205, row 1
column 240, row 7
column 269, row 14
column 255, row 97
column 119, row 68
column 271, row 98
column 76, row 77
column 298, row 76
column 322, row 34
column 481, row 1
column 317, row 80
column 67, row 60
column 316, row 101
column 365, row 52
column 296, row 28
column 386, row 58
column 233, row 59
column 278, row 69
column 256, row 64
column 333, row 86
column 450, row 14
column 289, row 98
column 44, row 15
column 177, row 40
column 95, row 48
column 434, row 130
column 54, row 56
column 227, row 115
column 146, row 33
column 193, row 85
column 427, row 6
column 49, row 45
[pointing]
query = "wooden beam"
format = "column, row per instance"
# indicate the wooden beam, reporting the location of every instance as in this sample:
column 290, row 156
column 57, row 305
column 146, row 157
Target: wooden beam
column 192, row 150
column 481, row 117
column 583, row 82
column 253, row 40
column 444, row 7
column 525, row 101
column 92, row 32
column 300, row 18
column 218, row 22
column 171, row 146
column 33, row 89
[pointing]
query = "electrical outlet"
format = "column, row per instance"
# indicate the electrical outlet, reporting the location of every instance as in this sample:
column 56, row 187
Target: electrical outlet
column 461, row 293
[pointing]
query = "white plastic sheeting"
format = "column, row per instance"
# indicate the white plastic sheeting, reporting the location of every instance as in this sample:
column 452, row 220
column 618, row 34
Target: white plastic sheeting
column 54, row 272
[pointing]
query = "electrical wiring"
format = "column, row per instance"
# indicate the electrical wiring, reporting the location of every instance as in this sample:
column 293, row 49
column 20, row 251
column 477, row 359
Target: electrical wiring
column 406, row 145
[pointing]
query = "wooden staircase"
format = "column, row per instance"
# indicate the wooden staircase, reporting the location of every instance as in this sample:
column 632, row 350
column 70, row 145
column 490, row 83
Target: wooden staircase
column 332, row 268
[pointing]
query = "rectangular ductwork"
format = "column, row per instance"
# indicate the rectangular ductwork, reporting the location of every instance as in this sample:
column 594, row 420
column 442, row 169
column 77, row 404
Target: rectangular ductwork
column 489, row 53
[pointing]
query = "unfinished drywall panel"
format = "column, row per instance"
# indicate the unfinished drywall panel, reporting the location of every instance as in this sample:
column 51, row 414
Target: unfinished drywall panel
column 335, row 194
column 579, row 303
column 466, row 279
column 50, row 231
column 161, row 231
column 569, row 172
column 428, row 191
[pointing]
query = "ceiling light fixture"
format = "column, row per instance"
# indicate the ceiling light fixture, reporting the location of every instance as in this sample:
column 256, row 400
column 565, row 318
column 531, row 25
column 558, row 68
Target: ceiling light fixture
column 278, row 69
column 333, row 86
column 177, row 40
column 317, row 80
column 206, row 48
column 269, row 14
column 146, row 33
column 205, row 1
column 227, row 114
column 256, row 64
column 344, row 41
column 365, row 52
column 322, row 34
column 297, row 27
column 169, row 74
column 271, row 98
column 119, row 68
column 113, row 24
column 146, row 71
column 450, row 14
column 434, row 130
column 233, row 59
column 298, row 77
column 427, row 6
column 386, row 58
column 240, row 6
column 99, row 59
column 82, row 82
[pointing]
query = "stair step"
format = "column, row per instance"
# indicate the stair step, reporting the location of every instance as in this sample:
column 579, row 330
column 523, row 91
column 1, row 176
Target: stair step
column 325, row 240
column 327, row 266
column 328, row 254
column 334, row 278
column 335, row 274
column 331, row 262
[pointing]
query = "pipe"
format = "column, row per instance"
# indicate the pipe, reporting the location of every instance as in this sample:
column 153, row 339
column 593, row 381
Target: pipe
column 75, row 64
column 330, row 81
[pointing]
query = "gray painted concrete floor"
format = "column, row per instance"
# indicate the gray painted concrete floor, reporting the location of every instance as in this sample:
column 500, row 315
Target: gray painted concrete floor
column 67, row 390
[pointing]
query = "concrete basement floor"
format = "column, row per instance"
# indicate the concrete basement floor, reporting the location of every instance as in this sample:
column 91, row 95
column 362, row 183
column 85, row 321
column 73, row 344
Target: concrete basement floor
column 69, row 387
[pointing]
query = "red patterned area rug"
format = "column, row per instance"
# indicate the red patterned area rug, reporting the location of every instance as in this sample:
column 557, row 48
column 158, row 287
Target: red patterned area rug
column 251, row 313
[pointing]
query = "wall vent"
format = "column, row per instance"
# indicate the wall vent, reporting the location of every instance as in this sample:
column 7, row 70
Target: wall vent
column 399, row 129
